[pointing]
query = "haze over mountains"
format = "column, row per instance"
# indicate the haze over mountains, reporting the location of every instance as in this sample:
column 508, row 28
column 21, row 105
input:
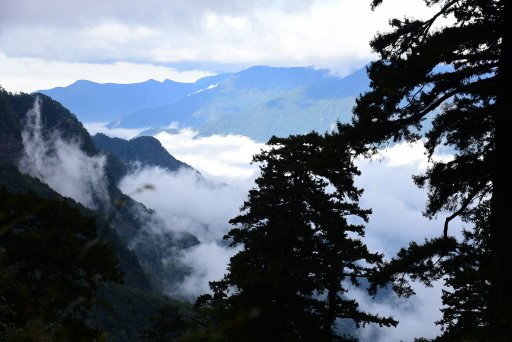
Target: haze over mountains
column 258, row 102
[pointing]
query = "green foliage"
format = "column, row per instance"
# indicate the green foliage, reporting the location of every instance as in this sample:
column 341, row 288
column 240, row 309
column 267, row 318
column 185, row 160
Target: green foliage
column 115, row 169
column 127, row 313
column 168, row 324
column 299, row 248
column 17, row 183
column 129, row 218
column 122, row 311
column 51, row 262
column 9, row 122
column 448, row 80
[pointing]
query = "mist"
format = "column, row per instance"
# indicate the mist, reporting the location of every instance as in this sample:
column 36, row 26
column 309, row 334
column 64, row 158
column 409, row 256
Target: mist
column 62, row 164
column 203, row 205
column 416, row 315
column 186, row 202
column 223, row 158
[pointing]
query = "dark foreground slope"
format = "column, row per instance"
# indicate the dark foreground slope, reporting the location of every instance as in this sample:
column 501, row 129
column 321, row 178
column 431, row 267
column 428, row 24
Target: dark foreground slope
column 119, row 225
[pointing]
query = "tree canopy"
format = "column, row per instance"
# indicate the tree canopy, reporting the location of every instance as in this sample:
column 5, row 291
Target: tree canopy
column 444, row 81
column 51, row 263
column 301, row 230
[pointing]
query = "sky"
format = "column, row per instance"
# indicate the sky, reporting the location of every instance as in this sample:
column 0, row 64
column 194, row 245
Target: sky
column 51, row 43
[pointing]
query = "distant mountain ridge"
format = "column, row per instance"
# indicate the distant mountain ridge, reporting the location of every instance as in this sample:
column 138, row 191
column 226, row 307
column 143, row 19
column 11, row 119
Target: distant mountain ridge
column 145, row 150
column 258, row 102
column 97, row 102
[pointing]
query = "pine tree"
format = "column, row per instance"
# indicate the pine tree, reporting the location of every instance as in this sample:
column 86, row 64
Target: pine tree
column 288, row 283
column 448, row 82
column 465, row 268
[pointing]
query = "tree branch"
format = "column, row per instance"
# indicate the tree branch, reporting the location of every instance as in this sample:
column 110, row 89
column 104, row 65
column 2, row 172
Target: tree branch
column 464, row 206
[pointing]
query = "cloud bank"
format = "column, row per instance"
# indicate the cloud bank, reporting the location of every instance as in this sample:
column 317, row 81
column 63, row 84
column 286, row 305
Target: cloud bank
column 416, row 315
column 123, row 133
column 27, row 74
column 191, row 204
column 396, row 202
column 62, row 164
column 225, row 158
column 187, row 203
column 154, row 35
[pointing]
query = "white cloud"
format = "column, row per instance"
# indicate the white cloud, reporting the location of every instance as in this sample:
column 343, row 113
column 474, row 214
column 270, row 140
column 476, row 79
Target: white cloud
column 208, row 262
column 325, row 33
column 416, row 315
column 62, row 164
column 28, row 74
column 397, row 203
column 187, row 203
column 225, row 158
column 123, row 133
column 195, row 206
column 65, row 13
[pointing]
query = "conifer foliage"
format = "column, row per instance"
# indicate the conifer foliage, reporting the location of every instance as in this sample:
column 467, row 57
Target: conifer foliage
column 51, row 262
column 447, row 81
column 300, row 233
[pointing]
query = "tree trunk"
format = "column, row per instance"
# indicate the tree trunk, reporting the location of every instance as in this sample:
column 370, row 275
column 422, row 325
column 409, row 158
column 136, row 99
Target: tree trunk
column 501, row 220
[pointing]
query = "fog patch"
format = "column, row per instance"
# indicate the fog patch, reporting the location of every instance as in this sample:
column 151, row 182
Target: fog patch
column 62, row 164
column 221, row 157
column 397, row 203
column 416, row 315
column 123, row 133
column 188, row 203
column 208, row 262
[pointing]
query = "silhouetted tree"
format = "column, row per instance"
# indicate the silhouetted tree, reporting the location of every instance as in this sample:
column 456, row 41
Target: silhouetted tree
column 447, row 81
column 465, row 268
column 300, row 249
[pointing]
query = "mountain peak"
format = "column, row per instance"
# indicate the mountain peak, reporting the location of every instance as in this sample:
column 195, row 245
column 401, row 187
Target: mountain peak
column 145, row 150
column 258, row 102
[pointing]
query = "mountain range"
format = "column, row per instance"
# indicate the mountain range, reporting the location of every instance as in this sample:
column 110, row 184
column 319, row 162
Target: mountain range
column 257, row 102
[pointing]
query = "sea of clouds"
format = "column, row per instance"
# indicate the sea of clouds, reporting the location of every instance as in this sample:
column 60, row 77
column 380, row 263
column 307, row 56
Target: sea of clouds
column 202, row 204
column 396, row 220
